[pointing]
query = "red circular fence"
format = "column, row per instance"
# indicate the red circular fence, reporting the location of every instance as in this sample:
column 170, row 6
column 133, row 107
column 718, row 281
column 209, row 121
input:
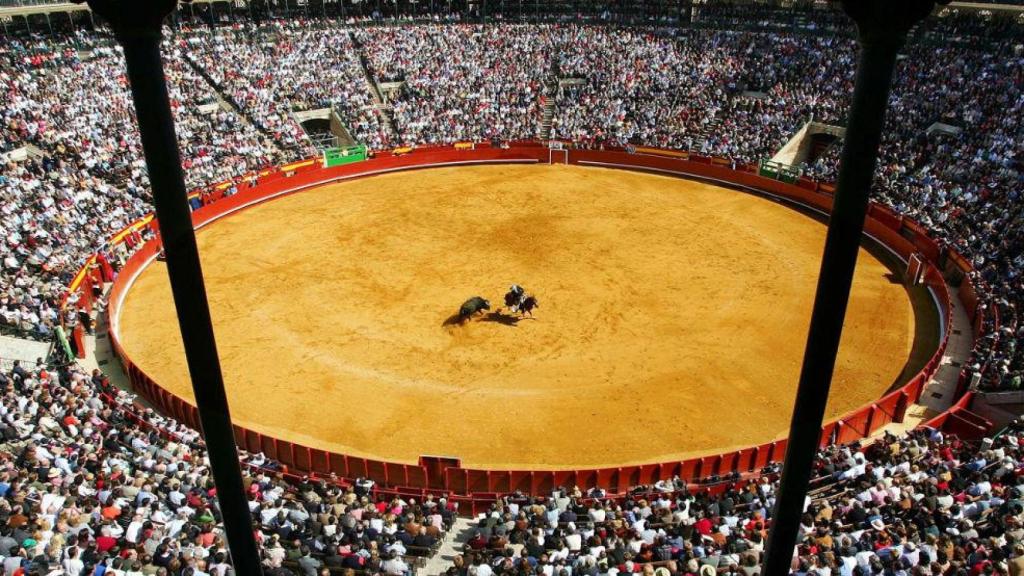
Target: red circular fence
column 901, row 235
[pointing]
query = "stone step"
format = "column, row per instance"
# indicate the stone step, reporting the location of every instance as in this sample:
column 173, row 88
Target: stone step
column 460, row 533
column 384, row 110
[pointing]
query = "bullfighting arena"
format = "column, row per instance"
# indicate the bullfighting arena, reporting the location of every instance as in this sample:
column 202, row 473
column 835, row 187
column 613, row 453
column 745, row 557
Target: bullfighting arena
column 672, row 317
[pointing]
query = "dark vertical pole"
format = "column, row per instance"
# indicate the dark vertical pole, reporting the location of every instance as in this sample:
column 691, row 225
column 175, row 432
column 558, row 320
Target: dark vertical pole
column 137, row 25
column 882, row 26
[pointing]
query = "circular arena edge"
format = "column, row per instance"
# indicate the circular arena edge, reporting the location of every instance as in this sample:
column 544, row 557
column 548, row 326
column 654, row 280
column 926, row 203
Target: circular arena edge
column 898, row 234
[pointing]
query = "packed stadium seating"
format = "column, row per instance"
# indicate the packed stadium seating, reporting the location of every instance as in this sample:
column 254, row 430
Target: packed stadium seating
column 269, row 71
column 460, row 82
column 920, row 504
column 88, row 179
column 90, row 477
column 702, row 91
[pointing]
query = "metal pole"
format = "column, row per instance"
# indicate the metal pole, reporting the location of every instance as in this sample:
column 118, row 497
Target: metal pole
column 882, row 27
column 137, row 27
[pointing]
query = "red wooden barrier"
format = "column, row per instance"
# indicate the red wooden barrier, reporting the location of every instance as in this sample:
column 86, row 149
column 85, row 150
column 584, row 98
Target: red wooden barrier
column 647, row 474
column 397, row 474
column 356, row 467
column 922, row 241
column 269, row 447
column 762, row 456
column 727, row 463
column 457, row 480
column 542, row 482
column 303, row 459
column 477, row 481
column 900, row 234
column 520, row 481
column 252, row 441
column 565, row 478
column 690, row 470
column 339, row 465
column 779, row 449
column 377, row 471
column 630, row 476
column 286, row 453
column 586, row 479
column 828, row 432
column 607, row 477
column 319, row 461
column 885, row 216
column 500, row 481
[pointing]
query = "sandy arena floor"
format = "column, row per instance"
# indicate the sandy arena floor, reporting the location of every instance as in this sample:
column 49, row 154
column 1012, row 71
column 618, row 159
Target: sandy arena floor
column 672, row 317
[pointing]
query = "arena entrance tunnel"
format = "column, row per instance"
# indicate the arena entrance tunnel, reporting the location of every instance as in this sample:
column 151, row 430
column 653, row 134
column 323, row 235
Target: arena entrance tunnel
column 301, row 450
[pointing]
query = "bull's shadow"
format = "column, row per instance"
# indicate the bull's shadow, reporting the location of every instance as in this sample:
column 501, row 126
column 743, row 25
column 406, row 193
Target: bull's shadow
column 453, row 320
column 497, row 317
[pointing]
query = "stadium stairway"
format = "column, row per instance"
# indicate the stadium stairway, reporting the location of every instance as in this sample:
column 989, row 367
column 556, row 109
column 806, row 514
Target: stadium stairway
column 549, row 97
column 18, row 347
column 546, row 119
column 458, row 535
column 940, row 392
column 384, row 110
column 99, row 352
column 226, row 99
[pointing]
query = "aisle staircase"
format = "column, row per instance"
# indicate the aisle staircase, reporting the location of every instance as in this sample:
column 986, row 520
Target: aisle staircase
column 385, row 111
column 460, row 533
column 547, row 117
column 701, row 135
column 226, row 101
column 548, row 98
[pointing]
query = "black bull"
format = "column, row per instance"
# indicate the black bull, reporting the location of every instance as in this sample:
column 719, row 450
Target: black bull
column 472, row 306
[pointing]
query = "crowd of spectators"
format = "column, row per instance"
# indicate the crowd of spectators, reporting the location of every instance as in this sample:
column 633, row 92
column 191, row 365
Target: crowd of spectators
column 919, row 504
column 737, row 94
column 66, row 103
column 734, row 94
column 459, row 81
column 93, row 484
column 88, row 478
column 962, row 179
column 742, row 95
column 274, row 70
